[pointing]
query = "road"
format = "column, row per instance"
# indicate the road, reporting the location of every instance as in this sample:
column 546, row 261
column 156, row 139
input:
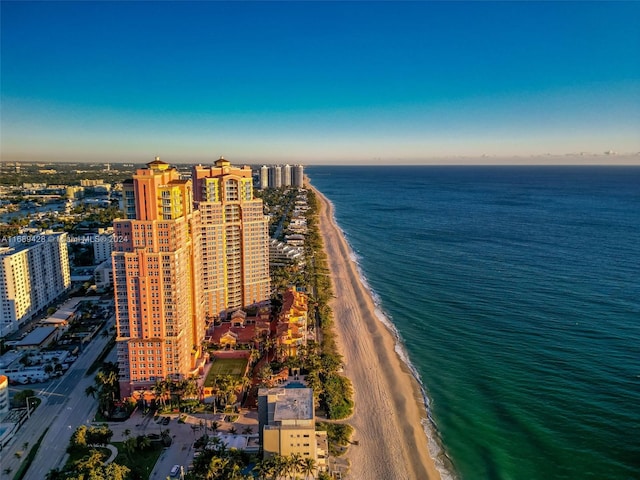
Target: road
column 64, row 407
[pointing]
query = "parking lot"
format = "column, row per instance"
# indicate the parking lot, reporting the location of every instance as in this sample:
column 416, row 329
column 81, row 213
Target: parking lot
column 183, row 434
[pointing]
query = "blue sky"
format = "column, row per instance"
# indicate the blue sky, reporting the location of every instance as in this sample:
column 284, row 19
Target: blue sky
column 317, row 82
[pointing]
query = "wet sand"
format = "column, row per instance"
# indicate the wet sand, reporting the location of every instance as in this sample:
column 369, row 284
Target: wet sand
column 389, row 407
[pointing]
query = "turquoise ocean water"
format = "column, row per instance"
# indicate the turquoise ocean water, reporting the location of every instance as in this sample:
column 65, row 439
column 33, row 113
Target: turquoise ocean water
column 516, row 292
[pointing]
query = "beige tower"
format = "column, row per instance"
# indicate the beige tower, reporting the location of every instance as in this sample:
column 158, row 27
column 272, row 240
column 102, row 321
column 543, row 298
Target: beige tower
column 157, row 280
column 235, row 238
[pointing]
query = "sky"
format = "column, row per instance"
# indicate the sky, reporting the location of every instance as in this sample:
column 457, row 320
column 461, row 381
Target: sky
column 319, row 82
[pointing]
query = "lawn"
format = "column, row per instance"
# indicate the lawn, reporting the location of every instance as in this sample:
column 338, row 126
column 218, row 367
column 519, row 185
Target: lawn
column 226, row 366
column 142, row 461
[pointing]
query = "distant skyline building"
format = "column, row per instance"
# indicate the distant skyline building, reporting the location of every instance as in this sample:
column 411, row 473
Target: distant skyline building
column 278, row 176
column 33, row 274
column 297, row 177
column 264, row 177
column 286, row 175
column 275, row 180
column 235, row 238
column 157, row 280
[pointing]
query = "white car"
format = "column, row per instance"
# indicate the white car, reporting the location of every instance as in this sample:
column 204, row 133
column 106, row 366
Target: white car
column 175, row 470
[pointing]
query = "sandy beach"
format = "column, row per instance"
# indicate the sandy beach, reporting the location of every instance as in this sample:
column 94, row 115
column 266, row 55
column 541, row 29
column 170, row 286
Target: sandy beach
column 388, row 401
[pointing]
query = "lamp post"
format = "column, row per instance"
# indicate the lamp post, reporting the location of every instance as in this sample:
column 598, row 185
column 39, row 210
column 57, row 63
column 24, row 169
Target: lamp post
column 28, row 406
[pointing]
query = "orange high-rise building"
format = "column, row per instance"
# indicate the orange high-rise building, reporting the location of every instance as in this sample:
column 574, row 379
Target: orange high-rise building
column 158, row 280
column 234, row 238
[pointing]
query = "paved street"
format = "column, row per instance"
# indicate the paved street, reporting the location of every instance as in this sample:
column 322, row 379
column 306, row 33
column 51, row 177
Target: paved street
column 64, row 406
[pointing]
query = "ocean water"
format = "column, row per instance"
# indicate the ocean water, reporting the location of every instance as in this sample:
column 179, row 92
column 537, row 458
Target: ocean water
column 516, row 293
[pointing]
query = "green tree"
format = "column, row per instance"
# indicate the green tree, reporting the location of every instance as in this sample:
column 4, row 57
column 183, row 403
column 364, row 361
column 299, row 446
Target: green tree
column 130, row 446
column 90, row 463
column 114, row 471
column 55, row 474
column 308, row 467
column 79, row 437
column 214, row 426
column 215, row 468
column 91, row 391
column 143, row 442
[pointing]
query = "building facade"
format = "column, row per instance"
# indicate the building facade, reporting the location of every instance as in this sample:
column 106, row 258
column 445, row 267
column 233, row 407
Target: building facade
column 102, row 245
column 234, row 238
column 286, row 421
column 157, row 280
column 286, row 175
column 297, row 176
column 277, row 176
column 34, row 272
column 264, row 177
column 4, row 395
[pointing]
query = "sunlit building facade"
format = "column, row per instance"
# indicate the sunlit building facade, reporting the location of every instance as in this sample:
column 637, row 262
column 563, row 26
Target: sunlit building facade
column 157, row 280
column 34, row 272
column 234, row 238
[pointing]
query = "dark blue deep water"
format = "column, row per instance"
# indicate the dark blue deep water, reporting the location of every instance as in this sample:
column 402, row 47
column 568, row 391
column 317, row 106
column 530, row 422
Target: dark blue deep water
column 516, row 292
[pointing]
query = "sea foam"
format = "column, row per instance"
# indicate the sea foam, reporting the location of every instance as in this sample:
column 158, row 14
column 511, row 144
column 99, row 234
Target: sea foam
column 442, row 461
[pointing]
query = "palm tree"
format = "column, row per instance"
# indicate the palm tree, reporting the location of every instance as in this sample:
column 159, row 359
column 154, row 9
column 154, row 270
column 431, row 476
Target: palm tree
column 279, row 465
column 254, row 355
column 219, row 447
column 190, row 388
column 91, row 391
column 160, row 391
column 130, row 445
column 264, row 375
column 214, row 426
column 263, row 468
column 294, row 462
column 233, row 430
column 282, row 351
column 143, row 442
column 308, row 467
column 248, row 430
column 107, row 383
column 215, row 468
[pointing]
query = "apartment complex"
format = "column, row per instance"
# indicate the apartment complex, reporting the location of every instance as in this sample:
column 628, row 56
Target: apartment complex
column 157, row 280
column 292, row 322
column 277, row 176
column 34, row 271
column 234, row 238
column 102, row 245
column 190, row 250
column 287, row 424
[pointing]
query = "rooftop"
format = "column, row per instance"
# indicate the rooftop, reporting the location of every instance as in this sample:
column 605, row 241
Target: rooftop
column 293, row 404
column 37, row 336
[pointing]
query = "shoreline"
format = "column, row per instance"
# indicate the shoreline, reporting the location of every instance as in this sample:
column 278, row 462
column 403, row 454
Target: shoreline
column 390, row 408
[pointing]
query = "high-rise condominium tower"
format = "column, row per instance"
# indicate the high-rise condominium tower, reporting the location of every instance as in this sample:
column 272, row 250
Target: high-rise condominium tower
column 32, row 275
column 157, row 280
column 264, row 177
column 235, row 238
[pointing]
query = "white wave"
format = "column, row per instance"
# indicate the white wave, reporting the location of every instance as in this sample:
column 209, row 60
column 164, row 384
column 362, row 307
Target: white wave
column 443, row 463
